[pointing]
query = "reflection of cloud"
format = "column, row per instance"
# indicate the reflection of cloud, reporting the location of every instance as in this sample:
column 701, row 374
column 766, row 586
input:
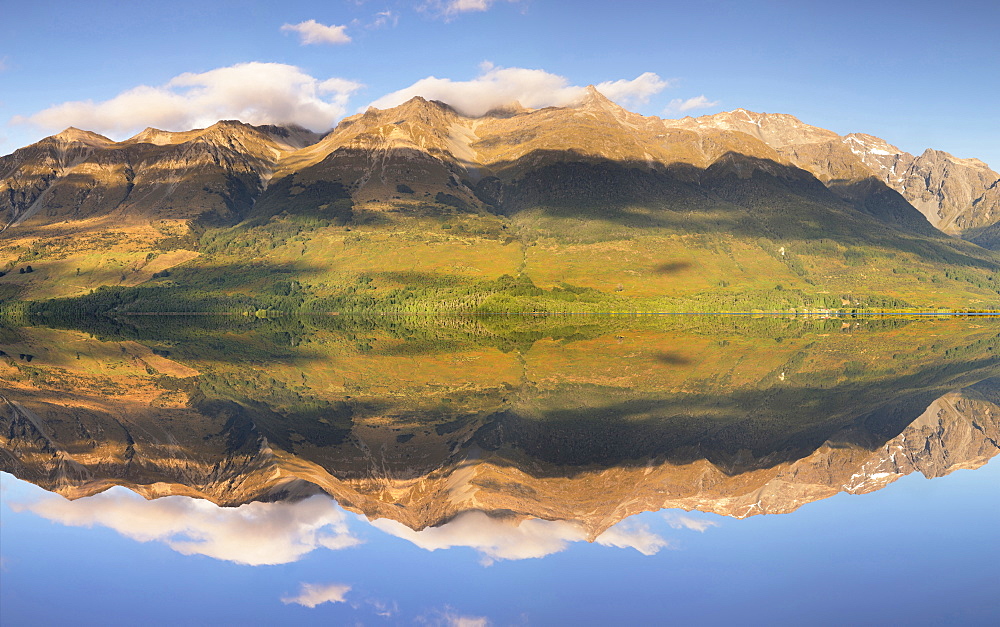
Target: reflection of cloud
column 680, row 521
column 448, row 617
column 499, row 539
column 312, row 32
column 382, row 608
column 464, row 6
column 256, row 93
column 496, row 87
column 254, row 533
column 467, row 621
column 313, row 594
column 637, row 537
column 495, row 538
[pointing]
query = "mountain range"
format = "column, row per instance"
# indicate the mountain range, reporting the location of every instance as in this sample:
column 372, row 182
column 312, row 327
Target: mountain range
column 723, row 198
column 427, row 146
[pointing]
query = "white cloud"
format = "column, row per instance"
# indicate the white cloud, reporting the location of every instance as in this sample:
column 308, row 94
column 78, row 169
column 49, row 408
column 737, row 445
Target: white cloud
column 254, row 533
column 256, row 93
column 464, row 6
column 451, row 8
column 678, row 105
column 312, row 32
column 384, row 18
column 680, row 521
column 3, row 64
column 499, row 539
column 634, row 92
column 313, row 594
column 496, row 87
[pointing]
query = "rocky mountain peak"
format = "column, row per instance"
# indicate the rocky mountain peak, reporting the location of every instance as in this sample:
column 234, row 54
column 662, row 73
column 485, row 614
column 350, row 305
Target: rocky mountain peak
column 775, row 129
column 594, row 99
column 508, row 110
column 952, row 194
column 89, row 138
column 931, row 155
column 416, row 110
column 862, row 143
column 157, row 137
column 291, row 135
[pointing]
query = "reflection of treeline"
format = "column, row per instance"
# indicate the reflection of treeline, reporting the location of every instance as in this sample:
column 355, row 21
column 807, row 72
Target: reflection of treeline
column 239, row 337
column 109, row 300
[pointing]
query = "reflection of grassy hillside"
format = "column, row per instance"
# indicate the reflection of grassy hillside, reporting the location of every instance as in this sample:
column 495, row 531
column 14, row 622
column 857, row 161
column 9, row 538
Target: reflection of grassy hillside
column 470, row 364
column 368, row 398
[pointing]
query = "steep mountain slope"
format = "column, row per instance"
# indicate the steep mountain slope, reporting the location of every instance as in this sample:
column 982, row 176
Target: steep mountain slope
column 953, row 194
column 75, row 175
column 223, row 169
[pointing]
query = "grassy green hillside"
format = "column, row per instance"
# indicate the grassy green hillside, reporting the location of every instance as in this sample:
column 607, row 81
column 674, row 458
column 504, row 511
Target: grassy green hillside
column 533, row 261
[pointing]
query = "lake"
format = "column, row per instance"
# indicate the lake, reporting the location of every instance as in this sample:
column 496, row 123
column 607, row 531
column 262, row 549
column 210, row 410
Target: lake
column 500, row 470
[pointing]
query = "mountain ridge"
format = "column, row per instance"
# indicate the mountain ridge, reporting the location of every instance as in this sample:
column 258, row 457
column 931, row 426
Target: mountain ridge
column 438, row 129
column 945, row 188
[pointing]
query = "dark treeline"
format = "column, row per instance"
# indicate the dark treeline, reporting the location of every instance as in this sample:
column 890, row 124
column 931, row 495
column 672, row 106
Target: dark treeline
column 429, row 295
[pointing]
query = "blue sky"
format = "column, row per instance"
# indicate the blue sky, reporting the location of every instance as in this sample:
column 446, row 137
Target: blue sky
column 919, row 74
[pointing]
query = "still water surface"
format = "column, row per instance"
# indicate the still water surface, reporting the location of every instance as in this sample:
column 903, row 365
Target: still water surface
column 498, row 471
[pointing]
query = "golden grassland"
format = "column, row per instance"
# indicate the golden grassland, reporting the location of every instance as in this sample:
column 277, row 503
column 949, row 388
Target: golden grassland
column 70, row 260
column 396, row 262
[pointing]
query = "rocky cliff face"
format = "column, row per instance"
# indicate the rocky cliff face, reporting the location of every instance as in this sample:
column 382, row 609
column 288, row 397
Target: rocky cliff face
column 424, row 155
column 956, row 196
column 76, row 175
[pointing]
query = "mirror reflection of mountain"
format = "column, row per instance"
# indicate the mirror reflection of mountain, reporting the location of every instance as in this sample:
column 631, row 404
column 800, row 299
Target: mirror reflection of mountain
column 577, row 419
